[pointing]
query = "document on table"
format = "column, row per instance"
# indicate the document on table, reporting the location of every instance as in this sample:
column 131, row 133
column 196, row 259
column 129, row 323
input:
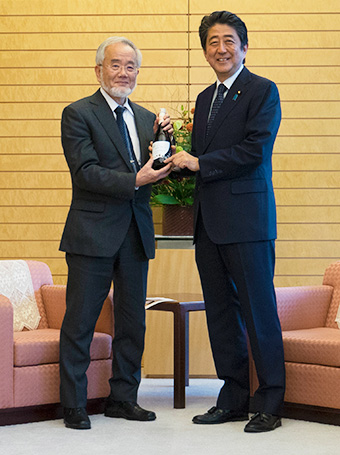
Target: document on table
column 152, row 301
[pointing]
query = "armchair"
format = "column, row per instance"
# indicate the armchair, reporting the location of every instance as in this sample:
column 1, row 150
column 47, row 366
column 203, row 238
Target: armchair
column 29, row 359
column 311, row 340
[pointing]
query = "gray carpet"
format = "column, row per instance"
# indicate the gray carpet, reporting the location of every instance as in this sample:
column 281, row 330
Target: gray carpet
column 172, row 433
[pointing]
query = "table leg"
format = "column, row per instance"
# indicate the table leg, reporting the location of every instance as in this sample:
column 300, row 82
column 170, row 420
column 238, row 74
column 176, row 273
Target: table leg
column 181, row 357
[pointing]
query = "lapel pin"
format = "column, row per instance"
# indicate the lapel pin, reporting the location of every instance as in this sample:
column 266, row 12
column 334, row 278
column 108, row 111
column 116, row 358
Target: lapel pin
column 236, row 95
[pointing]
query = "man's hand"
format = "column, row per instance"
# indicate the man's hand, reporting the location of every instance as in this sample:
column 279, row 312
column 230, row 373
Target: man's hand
column 167, row 126
column 148, row 175
column 184, row 160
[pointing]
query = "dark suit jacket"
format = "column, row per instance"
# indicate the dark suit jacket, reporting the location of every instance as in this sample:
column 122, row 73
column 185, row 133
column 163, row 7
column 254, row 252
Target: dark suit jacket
column 103, row 182
column 234, row 185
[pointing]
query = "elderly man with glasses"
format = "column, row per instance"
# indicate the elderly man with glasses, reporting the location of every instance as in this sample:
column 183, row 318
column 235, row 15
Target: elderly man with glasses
column 108, row 236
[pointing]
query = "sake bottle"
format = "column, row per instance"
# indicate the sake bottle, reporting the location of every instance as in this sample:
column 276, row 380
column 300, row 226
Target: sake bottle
column 161, row 147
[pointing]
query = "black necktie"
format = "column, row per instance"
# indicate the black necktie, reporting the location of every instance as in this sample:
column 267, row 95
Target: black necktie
column 126, row 137
column 216, row 105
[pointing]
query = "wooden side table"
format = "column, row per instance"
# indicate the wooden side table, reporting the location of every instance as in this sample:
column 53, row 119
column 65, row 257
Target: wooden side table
column 180, row 306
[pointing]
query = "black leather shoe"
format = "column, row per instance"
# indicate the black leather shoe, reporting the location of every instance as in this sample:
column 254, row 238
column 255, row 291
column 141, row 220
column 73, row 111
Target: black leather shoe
column 262, row 421
column 76, row 418
column 216, row 415
column 128, row 410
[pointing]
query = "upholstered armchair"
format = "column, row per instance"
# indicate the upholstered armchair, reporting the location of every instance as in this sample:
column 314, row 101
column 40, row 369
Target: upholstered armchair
column 29, row 359
column 311, row 339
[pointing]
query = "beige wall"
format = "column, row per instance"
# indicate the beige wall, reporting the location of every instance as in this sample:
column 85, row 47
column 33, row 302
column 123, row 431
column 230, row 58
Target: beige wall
column 47, row 60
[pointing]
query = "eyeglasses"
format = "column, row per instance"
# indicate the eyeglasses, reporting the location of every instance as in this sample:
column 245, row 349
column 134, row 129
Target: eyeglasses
column 115, row 68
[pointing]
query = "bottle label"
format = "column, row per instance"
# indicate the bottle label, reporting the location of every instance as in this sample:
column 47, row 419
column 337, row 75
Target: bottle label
column 160, row 149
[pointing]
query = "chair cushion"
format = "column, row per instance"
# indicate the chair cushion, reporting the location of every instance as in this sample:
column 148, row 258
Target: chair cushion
column 38, row 347
column 319, row 346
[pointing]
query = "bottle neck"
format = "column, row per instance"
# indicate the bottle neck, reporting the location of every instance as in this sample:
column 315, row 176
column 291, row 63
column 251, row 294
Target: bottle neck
column 161, row 115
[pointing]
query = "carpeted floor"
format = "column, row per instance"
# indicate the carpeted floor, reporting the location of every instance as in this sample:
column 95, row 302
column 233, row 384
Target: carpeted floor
column 172, row 433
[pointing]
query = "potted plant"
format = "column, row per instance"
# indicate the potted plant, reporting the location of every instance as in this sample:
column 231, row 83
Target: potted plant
column 176, row 194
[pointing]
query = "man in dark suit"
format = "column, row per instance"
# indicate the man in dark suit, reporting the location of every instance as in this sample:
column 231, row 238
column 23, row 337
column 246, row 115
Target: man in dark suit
column 109, row 233
column 235, row 125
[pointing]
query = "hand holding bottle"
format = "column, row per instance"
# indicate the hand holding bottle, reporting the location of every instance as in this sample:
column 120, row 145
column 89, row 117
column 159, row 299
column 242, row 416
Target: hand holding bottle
column 183, row 160
column 161, row 147
column 148, row 175
column 167, row 125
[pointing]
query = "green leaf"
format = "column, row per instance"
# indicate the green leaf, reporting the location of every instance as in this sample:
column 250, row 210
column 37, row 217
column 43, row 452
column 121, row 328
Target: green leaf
column 174, row 191
column 165, row 199
column 189, row 201
column 177, row 124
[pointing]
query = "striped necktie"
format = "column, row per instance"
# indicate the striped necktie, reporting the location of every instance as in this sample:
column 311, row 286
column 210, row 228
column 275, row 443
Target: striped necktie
column 126, row 137
column 216, row 105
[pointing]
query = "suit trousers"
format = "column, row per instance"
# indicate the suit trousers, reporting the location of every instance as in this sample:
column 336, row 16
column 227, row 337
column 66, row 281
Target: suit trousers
column 237, row 283
column 89, row 282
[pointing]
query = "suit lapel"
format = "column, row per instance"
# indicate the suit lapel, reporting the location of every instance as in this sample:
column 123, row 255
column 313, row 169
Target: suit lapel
column 104, row 114
column 206, row 107
column 201, row 120
column 141, row 121
column 237, row 90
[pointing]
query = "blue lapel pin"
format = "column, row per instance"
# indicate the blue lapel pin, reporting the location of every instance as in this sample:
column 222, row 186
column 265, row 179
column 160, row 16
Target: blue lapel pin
column 236, row 95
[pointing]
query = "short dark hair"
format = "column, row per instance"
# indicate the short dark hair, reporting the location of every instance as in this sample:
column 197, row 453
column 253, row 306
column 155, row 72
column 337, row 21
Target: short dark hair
column 222, row 17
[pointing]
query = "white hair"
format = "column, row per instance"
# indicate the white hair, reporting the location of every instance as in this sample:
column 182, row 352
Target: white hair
column 116, row 39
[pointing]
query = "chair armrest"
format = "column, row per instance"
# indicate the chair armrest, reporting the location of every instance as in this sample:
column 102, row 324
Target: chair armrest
column 105, row 321
column 6, row 353
column 303, row 307
column 54, row 298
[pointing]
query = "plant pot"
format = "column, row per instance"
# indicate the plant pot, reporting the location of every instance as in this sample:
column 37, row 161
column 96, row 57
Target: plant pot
column 178, row 220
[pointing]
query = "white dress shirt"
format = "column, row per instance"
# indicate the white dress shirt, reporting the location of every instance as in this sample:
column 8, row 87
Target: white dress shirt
column 129, row 119
column 228, row 83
